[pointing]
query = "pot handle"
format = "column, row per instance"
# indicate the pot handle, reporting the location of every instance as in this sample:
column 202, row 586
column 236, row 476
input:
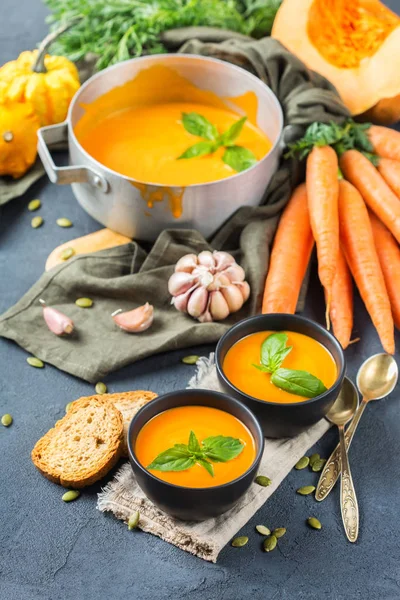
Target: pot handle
column 54, row 134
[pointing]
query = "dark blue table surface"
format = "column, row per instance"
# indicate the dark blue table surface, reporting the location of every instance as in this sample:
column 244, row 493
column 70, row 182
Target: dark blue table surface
column 51, row 550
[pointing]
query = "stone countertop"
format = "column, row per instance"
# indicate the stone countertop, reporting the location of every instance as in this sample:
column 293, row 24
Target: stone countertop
column 51, row 550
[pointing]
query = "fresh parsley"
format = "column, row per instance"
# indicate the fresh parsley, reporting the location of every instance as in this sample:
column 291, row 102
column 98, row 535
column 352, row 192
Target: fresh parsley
column 274, row 350
column 213, row 449
column 237, row 157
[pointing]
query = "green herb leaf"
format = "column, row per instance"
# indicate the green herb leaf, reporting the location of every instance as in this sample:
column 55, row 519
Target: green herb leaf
column 262, row 368
column 221, row 448
column 198, row 125
column 274, row 351
column 199, row 149
column 207, row 465
column 300, row 383
column 239, row 158
column 230, row 135
column 177, row 458
column 194, row 445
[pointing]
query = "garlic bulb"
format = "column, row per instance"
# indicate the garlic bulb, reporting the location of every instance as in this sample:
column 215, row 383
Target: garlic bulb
column 56, row 321
column 136, row 320
column 209, row 287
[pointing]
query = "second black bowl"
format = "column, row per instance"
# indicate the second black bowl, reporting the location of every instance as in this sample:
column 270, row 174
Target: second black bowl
column 283, row 420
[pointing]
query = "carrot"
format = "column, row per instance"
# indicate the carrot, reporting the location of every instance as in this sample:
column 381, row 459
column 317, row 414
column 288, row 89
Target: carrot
column 373, row 188
column 360, row 252
column 342, row 302
column 290, row 256
column 390, row 171
column 389, row 257
column 385, row 141
column 323, row 191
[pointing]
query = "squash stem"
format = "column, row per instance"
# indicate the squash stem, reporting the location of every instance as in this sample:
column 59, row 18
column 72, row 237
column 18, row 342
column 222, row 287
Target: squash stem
column 39, row 66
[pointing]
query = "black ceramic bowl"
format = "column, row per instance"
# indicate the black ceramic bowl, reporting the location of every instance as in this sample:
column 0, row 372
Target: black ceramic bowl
column 283, row 420
column 194, row 504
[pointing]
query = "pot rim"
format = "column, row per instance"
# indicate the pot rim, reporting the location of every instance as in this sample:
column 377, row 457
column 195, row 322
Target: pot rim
column 290, row 405
column 167, row 56
column 187, row 392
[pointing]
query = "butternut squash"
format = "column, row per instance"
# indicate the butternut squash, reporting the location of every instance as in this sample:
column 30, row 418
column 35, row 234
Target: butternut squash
column 355, row 44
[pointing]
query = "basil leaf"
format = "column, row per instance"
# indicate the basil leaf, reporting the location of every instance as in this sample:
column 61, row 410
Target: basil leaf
column 300, row 383
column 221, row 448
column 274, row 351
column 262, row 368
column 230, row 135
column 194, row 445
column 239, row 158
column 177, row 458
column 199, row 149
column 207, row 465
column 198, row 125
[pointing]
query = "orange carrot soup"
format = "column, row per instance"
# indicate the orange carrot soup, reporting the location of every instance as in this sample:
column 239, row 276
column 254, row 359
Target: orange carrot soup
column 145, row 143
column 207, row 424
column 242, row 366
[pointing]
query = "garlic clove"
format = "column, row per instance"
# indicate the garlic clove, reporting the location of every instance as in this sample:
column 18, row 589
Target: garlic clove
column 136, row 320
column 197, row 303
column 180, row 302
column 219, row 281
column 245, row 290
column 186, row 264
column 180, row 282
column 235, row 273
column 205, row 317
column 206, row 259
column 219, row 308
column 233, row 297
column 222, row 260
column 56, row 321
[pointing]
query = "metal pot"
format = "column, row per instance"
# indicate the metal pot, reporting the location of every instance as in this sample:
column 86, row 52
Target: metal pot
column 114, row 199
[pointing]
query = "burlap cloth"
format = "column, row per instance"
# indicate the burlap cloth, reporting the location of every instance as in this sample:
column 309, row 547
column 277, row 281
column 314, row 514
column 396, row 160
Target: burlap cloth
column 122, row 496
column 128, row 276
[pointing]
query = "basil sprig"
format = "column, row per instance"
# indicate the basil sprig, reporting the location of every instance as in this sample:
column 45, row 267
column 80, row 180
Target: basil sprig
column 181, row 457
column 237, row 157
column 301, row 383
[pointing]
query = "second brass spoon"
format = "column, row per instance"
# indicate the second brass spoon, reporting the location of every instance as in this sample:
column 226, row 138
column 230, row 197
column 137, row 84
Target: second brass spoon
column 376, row 378
column 341, row 413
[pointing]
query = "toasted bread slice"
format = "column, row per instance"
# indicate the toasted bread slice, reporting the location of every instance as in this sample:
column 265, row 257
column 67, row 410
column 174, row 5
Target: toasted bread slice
column 129, row 403
column 83, row 446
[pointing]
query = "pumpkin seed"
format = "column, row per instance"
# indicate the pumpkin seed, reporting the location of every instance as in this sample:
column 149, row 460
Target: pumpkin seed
column 306, row 490
column 240, row 541
column 6, row 420
column 35, row 362
column 63, row 222
column 279, row 532
column 36, row 222
column 34, row 205
column 263, row 530
column 270, row 543
column 262, row 480
column 318, row 465
column 68, row 406
column 314, row 523
column 101, row 388
column 302, row 463
column 133, row 520
column 190, row 360
column 71, row 495
column 84, row 302
column 313, row 458
column 67, row 253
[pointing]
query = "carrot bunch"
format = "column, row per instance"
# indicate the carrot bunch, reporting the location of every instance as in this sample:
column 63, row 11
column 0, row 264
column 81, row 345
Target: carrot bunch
column 350, row 207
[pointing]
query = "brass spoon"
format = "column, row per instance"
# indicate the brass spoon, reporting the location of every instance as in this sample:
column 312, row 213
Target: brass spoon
column 341, row 413
column 376, row 378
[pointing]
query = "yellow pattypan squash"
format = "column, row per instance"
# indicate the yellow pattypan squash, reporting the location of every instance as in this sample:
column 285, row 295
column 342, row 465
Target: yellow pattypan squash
column 49, row 92
column 18, row 138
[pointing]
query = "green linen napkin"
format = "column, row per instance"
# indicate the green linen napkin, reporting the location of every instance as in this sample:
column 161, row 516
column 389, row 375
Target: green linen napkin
column 126, row 277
